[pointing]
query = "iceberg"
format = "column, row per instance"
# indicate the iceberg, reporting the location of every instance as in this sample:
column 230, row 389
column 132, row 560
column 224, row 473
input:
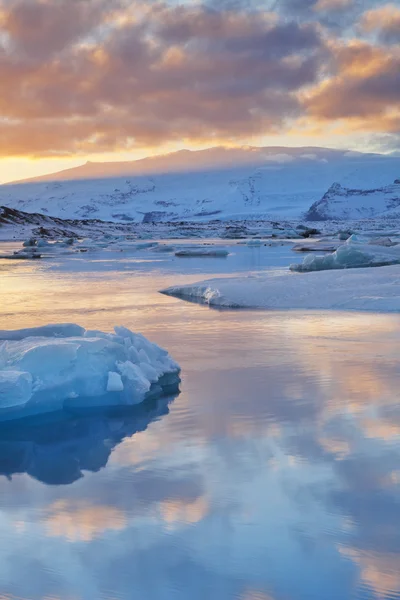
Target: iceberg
column 316, row 246
column 352, row 254
column 53, row 367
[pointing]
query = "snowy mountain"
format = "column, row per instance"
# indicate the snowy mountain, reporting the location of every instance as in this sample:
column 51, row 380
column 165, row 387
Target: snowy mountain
column 216, row 158
column 344, row 203
column 222, row 184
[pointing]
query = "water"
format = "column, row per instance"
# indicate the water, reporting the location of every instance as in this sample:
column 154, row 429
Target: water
column 274, row 475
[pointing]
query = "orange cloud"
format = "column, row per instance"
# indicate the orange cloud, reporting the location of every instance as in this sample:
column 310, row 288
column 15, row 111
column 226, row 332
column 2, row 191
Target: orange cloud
column 81, row 521
column 332, row 5
column 98, row 76
column 182, row 511
column 380, row 572
column 82, row 81
column 385, row 21
column 365, row 91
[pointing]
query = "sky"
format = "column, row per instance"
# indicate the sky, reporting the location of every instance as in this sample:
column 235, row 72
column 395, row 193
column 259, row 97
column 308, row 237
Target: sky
column 119, row 80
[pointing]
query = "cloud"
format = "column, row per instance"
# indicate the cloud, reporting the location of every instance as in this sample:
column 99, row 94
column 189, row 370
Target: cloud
column 82, row 521
column 338, row 16
column 332, row 5
column 95, row 76
column 364, row 91
column 59, row 24
column 383, row 21
column 386, row 142
column 74, row 85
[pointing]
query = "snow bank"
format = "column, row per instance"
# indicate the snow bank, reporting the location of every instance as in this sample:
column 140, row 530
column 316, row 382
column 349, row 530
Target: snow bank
column 360, row 289
column 51, row 367
column 352, row 254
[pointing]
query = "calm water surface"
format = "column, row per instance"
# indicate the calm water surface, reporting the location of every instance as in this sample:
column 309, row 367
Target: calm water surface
column 274, row 475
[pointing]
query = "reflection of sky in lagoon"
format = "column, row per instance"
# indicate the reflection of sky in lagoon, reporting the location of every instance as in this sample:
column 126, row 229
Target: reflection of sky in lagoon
column 274, row 475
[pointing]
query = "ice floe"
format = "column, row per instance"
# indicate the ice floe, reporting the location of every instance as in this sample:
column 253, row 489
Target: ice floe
column 56, row 366
column 353, row 254
column 202, row 251
column 349, row 289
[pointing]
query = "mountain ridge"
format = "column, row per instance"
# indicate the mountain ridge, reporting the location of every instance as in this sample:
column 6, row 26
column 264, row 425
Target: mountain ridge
column 186, row 160
column 281, row 183
column 346, row 203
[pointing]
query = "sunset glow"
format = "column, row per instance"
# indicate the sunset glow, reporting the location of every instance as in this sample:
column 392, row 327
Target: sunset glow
column 119, row 80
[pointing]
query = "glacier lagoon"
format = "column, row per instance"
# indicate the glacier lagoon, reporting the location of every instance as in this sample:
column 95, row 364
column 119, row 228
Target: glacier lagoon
column 273, row 475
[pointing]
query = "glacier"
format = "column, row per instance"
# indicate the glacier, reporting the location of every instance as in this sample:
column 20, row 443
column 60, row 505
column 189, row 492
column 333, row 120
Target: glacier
column 53, row 367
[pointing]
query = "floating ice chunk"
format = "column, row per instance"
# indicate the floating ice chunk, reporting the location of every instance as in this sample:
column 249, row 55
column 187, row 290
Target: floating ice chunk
column 254, row 243
column 42, row 372
column 348, row 289
column 344, row 235
column 351, row 255
column 202, row 251
column 114, row 383
column 29, row 243
column 41, row 243
column 144, row 245
column 163, row 248
column 127, row 246
column 316, row 246
column 382, row 241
